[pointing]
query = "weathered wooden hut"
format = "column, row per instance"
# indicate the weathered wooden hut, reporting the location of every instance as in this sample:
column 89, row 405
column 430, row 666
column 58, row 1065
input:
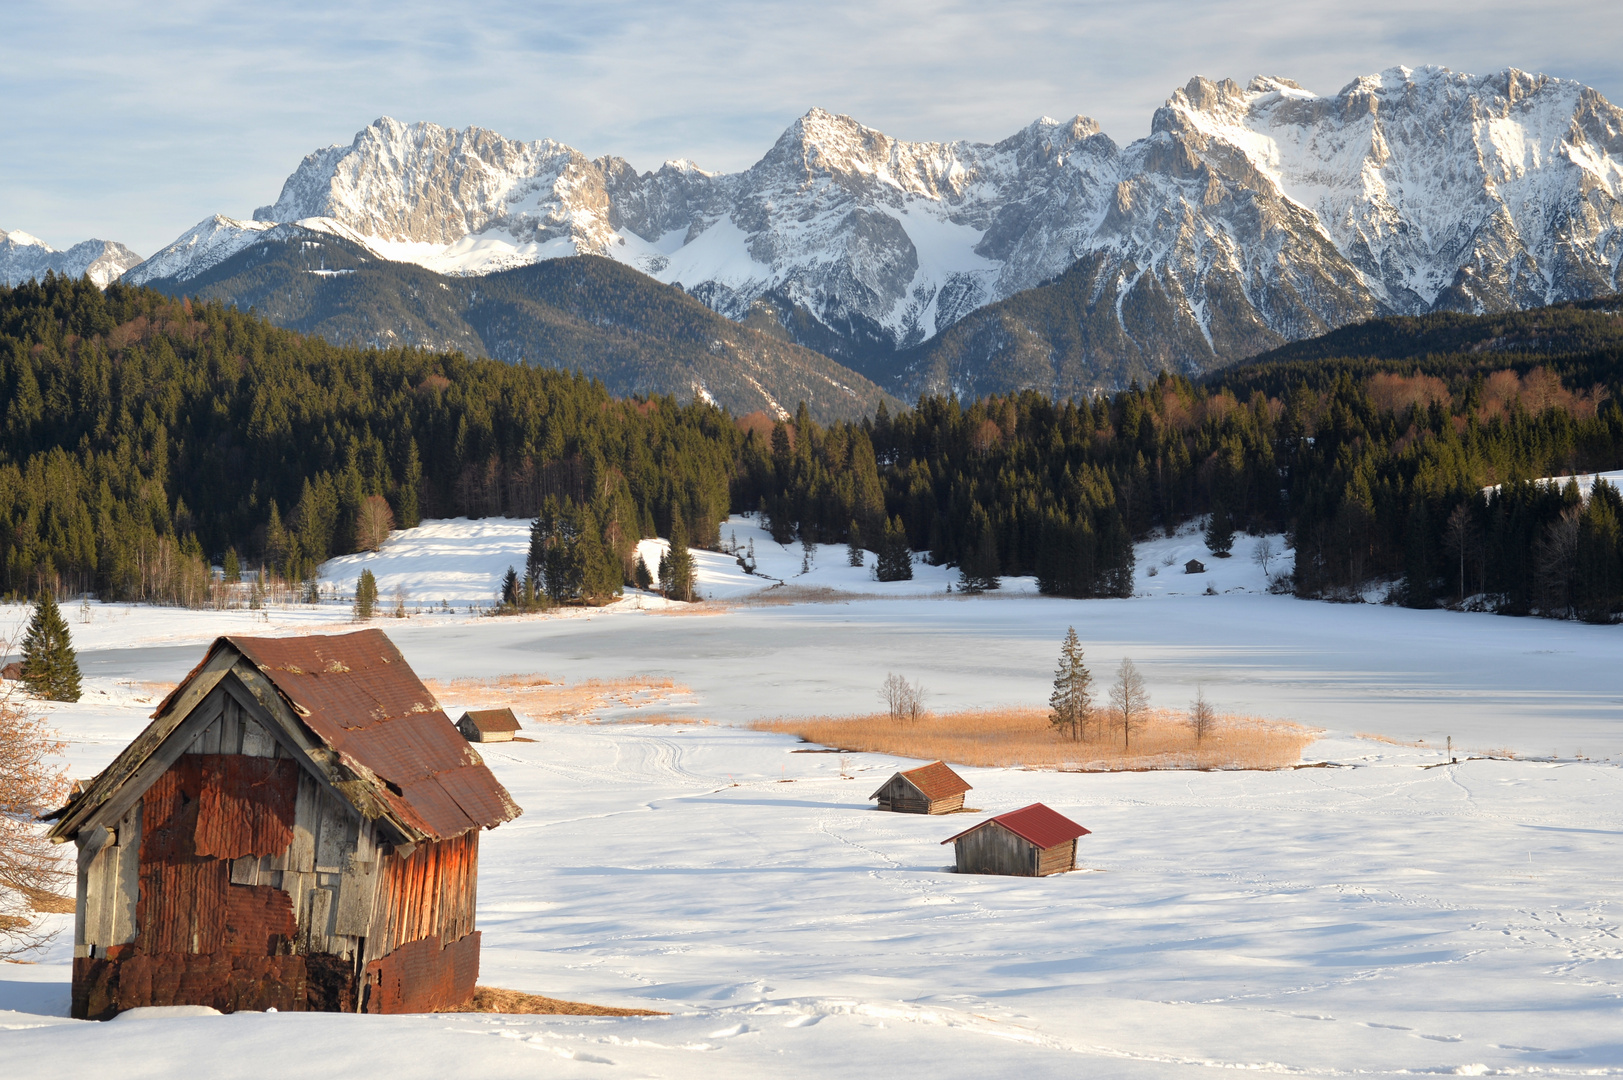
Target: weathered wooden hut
column 928, row 789
column 297, row 828
column 1194, row 566
column 488, row 725
column 1033, row 841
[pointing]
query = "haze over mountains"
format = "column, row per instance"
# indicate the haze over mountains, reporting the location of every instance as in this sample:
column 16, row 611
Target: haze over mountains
column 1055, row 259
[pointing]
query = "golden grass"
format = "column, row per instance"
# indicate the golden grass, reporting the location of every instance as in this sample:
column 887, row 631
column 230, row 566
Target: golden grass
column 542, row 699
column 492, row 999
column 1023, row 737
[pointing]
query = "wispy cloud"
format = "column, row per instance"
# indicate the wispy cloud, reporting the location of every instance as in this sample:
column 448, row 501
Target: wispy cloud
column 132, row 121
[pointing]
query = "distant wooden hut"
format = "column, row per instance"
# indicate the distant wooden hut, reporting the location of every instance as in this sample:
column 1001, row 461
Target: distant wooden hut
column 928, row 789
column 297, row 828
column 1033, row 841
column 488, row 725
column 1194, row 566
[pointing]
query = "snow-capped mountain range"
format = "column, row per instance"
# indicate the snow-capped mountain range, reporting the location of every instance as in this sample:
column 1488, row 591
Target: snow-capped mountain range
column 24, row 257
column 1249, row 216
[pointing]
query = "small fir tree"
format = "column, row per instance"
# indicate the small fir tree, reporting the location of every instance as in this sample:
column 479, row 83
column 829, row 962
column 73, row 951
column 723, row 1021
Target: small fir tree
column 511, row 597
column 895, row 557
column 50, row 668
column 641, row 576
column 676, row 571
column 853, row 545
column 233, row 567
column 1219, row 531
column 979, row 569
column 1070, row 706
column 366, row 595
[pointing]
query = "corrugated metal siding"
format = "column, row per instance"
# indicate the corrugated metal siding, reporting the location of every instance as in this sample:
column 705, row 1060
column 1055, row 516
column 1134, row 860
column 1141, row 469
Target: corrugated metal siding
column 245, row 806
column 423, row 977
column 432, row 893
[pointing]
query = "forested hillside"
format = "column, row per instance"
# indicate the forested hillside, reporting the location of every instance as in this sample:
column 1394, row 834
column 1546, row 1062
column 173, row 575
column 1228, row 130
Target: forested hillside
column 145, row 437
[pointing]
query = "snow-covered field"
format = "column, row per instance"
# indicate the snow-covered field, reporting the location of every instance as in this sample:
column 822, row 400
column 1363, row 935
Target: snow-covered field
column 1392, row 914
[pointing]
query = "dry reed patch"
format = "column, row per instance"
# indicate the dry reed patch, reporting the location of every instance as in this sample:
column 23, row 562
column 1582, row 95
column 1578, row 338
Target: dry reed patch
column 1372, row 737
column 493, row 999
column 785, row 595
column 544, row 699
column 1024, row 737
column 664, row 720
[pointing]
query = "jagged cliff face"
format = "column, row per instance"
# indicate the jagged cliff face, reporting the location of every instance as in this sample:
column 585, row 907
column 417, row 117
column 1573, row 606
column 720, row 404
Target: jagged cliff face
column 1250, row 216
column 24, row 257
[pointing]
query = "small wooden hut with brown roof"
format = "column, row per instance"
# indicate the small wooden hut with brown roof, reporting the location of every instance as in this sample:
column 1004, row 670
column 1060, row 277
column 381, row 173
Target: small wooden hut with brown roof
column 1033, row 841
column 928, row 789
column 297, row 828
column 488, row 725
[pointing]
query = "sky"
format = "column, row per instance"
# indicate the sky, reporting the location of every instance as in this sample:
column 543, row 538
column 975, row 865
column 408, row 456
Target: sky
column 132, row 122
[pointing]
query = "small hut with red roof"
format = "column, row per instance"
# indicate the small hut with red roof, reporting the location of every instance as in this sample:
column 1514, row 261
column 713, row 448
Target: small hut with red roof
column 297, row 828
column 928, row 789
column 1033, row 841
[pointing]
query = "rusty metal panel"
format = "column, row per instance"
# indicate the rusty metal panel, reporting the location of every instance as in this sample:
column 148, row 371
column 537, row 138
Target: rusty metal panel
column 421, row 976
column 103, row 988
column 258, row 921
column 245, row 805
column 357, row 694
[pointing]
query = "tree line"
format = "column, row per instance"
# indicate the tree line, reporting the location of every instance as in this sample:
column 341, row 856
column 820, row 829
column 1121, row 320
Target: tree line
column 146, row 439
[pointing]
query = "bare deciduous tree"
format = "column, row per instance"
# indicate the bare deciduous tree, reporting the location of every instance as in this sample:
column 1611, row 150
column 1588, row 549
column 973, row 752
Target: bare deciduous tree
column 1555, row 561
column 1460, row 539
column 32, row 872
column 373, row 523
column 904, row 700
column 1202, row 717
column 1129, row 698
column 1264, row 554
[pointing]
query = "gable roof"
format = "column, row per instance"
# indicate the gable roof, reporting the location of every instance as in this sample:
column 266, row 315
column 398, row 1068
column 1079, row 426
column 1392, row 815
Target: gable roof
column 934, row 781
column 367, row 724
column 1035, row 824
column 488, row 720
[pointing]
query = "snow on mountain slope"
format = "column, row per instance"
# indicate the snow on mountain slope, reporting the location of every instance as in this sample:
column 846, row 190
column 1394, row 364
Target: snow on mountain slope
column 1248, row 217
column 24, row 257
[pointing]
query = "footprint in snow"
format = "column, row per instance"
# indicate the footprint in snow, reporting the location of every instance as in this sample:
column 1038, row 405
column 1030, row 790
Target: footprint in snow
column 1444, row 1038
column 729, row 1032
column 803, row 1021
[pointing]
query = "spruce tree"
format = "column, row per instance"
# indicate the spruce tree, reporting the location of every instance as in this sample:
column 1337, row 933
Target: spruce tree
column 641, row 576
column 511, row 597
column 895, row 557
column 853, row 545
column 50, row 668
column 1070, row 706
column 233, row 567
column 366, row 595
column 677, row 575
column 1219, row 531
column 978, row 570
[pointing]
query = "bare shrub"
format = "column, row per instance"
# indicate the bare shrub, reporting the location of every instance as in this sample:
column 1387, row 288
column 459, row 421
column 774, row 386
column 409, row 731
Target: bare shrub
column 903, row 700
column 1202, row 717
column 32, row 872
column 1024, row 737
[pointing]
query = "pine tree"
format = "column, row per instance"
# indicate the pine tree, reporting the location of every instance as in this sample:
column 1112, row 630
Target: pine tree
column 50, row 668
column 854, row 554
column 895, row 557
column 642, row 578
column 233, row 567
column 1219, row 531
column 511, row 598
column 1071, row 704
column 366, row 595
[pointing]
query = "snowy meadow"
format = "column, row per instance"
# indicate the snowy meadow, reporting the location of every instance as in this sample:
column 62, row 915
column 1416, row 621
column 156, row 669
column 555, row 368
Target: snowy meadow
column 1386, row 911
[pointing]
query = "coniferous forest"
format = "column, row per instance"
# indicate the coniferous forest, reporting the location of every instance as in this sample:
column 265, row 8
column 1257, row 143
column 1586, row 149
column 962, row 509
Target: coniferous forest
column 146, row 439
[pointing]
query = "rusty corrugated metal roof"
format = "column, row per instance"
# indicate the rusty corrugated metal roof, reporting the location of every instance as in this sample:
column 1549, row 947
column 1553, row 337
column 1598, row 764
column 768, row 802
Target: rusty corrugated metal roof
column 1036, row 824
column 358, row 695
column 488, row 720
